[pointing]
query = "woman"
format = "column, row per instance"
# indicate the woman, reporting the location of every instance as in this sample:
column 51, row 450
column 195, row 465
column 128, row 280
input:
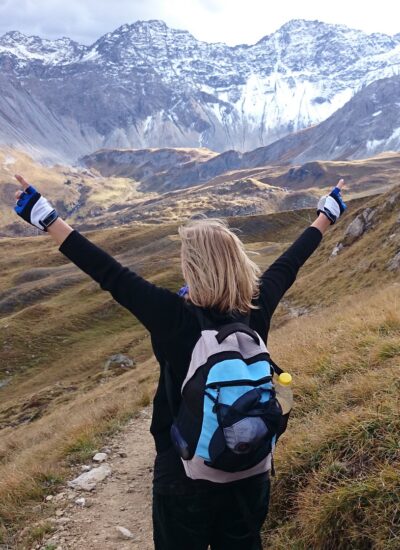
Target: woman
column 191, row 514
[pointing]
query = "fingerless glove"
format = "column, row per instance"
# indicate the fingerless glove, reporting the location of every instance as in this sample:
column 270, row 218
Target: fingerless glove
column 332, row 205
column 35, row 209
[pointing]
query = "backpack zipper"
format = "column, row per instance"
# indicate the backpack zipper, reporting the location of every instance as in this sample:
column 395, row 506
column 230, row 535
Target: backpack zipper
column 243, row 382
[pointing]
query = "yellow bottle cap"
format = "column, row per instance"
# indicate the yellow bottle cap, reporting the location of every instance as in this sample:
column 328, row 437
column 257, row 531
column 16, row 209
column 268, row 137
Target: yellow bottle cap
column 285, row 379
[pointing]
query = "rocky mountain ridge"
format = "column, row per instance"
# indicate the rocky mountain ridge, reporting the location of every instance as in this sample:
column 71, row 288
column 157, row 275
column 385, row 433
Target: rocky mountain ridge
column 146, row 85
column 366, row 126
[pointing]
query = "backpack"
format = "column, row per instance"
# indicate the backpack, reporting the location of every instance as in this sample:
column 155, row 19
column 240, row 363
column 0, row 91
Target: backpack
column 229, row 416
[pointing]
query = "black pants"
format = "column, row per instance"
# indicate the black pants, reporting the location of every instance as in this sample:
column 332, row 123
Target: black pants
column 226, row 518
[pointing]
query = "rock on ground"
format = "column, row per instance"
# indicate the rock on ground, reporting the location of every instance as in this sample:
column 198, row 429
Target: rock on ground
column 394, row 263
column 100, row 457
column 358, row 226
column 124, row 533
column 88, row 480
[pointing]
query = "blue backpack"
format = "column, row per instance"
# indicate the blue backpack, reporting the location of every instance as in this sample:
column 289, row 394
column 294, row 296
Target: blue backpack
column 229, row 416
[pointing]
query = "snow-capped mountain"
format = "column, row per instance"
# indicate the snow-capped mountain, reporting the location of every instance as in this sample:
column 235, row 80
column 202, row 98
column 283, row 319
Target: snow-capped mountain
column 146, row 85
column 366, row 125
column 29, row 49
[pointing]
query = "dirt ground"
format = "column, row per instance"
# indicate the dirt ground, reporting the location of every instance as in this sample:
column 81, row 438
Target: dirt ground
column 123, row 499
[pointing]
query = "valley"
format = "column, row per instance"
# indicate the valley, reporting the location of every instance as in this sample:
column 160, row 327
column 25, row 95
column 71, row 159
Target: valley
column 118, row 187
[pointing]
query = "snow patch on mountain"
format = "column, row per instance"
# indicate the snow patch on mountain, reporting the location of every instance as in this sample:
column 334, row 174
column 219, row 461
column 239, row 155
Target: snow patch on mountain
column 390, row 143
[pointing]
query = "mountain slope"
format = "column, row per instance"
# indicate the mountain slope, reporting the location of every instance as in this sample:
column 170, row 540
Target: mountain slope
column 74, row 192
column 148, row 85
column 28, row 122
column 261, row 164
column 368, row 124
column 167, row 192
column 343, row 356
column 337, row 482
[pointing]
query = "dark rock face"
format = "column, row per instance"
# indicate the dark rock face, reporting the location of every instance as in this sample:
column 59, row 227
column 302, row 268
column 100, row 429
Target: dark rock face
column 366, row 125
column 310, row 169
column 358, row 226
column 146, row 85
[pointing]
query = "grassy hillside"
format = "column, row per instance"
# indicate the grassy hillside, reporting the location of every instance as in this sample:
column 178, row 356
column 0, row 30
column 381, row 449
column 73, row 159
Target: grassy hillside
column 361, row 176
column 57, row 330
column 73, row 191
column 361, row 264
column 338, row 465
column 91, row 201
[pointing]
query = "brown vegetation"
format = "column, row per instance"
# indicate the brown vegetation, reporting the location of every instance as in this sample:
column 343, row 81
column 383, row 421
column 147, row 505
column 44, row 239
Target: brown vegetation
column 338, row 465
column 337, row 481
column 112, row 195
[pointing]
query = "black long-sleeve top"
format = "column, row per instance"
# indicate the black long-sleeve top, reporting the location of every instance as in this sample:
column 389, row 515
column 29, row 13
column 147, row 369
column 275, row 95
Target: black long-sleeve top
column 175, row 329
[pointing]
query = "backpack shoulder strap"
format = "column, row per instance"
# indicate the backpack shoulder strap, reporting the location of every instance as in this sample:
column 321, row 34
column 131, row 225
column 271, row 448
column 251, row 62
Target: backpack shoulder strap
column 229, row 329
column 276, row 368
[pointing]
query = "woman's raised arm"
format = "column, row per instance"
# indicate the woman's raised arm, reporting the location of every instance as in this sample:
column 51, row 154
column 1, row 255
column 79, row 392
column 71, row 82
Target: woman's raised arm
column 280, row 276
column 158, row 309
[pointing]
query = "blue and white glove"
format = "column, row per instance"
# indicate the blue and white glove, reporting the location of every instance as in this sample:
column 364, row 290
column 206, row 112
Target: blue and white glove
column 35, row 209
column 332, row 205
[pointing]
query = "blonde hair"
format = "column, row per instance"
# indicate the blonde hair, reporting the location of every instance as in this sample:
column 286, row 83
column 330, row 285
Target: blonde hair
column 216, row 267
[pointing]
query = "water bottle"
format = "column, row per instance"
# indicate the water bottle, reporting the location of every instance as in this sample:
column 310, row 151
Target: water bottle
column 284, row 392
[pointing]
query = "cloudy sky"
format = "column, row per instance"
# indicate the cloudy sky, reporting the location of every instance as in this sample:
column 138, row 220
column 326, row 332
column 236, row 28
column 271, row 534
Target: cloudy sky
column 230, row 21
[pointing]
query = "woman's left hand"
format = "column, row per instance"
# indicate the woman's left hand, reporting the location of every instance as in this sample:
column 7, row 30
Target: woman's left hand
column 32, row 207
column 332, row 205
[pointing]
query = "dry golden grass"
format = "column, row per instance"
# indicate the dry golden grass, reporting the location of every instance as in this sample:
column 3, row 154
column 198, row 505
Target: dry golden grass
column 339, row 463
column 361, row 265
column 54, row 347
column 35, row 456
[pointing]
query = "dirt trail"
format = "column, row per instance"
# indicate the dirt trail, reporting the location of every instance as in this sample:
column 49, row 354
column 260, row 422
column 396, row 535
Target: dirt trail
column 123, row 499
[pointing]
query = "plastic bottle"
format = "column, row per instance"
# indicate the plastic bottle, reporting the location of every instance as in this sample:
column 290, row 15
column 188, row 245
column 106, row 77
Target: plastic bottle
column 285, row 379
column 284, row 392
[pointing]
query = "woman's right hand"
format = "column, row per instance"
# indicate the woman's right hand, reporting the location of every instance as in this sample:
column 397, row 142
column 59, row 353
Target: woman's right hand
column 332, row 205
column 32, row 207
column 330, row 208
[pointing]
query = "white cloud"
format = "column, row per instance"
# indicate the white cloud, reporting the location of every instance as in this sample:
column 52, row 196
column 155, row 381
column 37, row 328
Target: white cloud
column 231, row 21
